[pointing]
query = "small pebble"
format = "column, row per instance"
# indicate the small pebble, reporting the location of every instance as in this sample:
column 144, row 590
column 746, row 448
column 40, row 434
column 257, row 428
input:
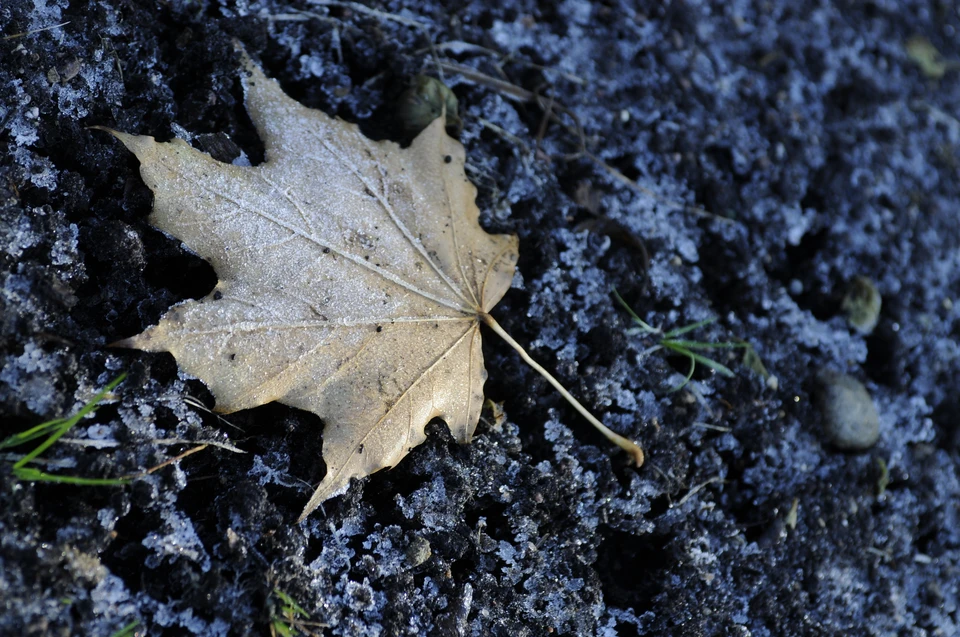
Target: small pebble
column 850, row 419
column 418, row 551
column 861, row 303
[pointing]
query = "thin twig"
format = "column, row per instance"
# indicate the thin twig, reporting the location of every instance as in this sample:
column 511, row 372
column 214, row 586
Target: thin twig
column 514, row 92
column 547, row 116
column 163, row 442
column 301, row 16
column 697, row 488
column 196, row 404
column 169, row 461
column 706, row 425
column 668, row 479
column 93, row 444
column 212, row 443
column 508, row 90
column 105, row 42
column 380, row 15
column 505, row 134
column 359, row 8
column 458, row 46
column 26, row 33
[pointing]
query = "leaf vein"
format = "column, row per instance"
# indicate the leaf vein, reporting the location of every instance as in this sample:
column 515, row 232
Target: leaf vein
column 385, row 204
column 442, row 357
column 252, row 326
column 353, row 258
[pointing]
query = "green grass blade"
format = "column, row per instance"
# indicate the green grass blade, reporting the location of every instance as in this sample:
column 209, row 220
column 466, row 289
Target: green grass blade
column 636, row 319
column 66, row 424
column 753, row 361
column 699, row 358
column 290, row 603
column 128, row 630
column 283, row 597
column 884, row 480
column 41, row 430
column 688, row 328
column 720, row 368
column 58, row 432
column 35, row 475
column 693, row 366
column 281, row 628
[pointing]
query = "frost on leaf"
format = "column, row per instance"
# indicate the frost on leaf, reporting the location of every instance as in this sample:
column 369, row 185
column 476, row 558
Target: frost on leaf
column 353, row 276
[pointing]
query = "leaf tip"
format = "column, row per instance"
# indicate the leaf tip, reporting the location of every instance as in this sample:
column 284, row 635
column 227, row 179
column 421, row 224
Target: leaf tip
column 315, row 501
column 254, row 73
column 124, row 343
column 144, row 341
column 137, row 144
column 245, row 60
column 105, row 129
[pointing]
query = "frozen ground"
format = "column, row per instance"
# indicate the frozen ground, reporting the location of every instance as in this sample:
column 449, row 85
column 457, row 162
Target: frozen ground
column 822, row 152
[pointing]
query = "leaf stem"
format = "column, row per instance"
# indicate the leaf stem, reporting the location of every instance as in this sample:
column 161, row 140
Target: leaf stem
column 632, row 448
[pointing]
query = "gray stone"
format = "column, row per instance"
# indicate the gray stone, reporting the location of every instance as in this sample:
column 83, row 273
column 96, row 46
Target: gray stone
column 862, row 303
column 418, row 551
column 850, row 419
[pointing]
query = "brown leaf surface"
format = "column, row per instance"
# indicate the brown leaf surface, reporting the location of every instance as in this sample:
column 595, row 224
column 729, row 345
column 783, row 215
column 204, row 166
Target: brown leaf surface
column 353, row 278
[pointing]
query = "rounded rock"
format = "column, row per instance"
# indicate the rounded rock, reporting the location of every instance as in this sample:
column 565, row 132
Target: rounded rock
column 862, row 303
column 418, row 551
column 850, row 419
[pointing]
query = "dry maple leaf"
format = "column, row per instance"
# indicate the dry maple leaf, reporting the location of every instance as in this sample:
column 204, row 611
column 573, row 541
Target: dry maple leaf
column 353, row 278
